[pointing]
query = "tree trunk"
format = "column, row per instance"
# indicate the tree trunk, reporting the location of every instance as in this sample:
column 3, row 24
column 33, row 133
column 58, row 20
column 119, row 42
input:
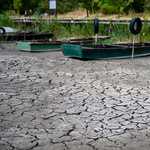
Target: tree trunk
column 56, row 13
column 27, row 7
column 118, row 13
column 87, row 12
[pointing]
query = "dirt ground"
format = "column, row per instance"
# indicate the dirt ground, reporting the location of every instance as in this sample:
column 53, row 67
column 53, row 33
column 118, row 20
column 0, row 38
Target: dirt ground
column 50, row 101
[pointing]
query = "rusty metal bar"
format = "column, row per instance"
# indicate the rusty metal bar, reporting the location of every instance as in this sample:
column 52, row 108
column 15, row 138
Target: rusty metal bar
column 25, row 31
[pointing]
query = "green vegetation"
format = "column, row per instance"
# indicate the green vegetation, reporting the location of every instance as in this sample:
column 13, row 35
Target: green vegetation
column 37, row 6
column 119, row 33
column 89, row 5
column 6, row 21
column 6, row 5
column 138, row 5
column 145, row 33
column 112, row 7
column 64, row 6
column 17, row 5
column 65, row 31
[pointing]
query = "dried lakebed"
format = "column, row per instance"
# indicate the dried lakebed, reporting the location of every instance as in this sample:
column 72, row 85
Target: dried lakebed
column 49, row 101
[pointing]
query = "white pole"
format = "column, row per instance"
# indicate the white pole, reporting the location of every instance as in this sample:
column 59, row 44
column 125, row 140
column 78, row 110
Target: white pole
column 133, row 46
column 96, row 39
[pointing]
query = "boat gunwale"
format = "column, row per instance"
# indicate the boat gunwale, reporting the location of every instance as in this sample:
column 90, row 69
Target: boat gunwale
column 111, row 47
column 59, row 43
column 71, row 41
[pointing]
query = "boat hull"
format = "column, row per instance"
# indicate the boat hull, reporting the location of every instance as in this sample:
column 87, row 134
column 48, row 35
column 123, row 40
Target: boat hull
column 20, row 36
column 55, row 45
column 106, row 51
column 30, row 47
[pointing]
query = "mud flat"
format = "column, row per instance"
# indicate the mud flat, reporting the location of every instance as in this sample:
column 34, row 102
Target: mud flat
column 49, row 101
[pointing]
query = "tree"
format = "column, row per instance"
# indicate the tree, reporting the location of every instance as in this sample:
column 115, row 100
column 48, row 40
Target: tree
column 6, row 5
column 139, row 5
column 41, row 6
column 113, row 6
column 89, row 5
column 17, row 5
column 26, row 5
column 64, row 6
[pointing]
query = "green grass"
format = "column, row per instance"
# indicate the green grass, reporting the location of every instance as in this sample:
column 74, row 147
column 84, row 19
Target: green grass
column 119, row 33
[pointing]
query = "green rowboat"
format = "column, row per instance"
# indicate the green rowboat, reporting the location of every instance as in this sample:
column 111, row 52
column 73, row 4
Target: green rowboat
column 55, row 45
column 108, row 51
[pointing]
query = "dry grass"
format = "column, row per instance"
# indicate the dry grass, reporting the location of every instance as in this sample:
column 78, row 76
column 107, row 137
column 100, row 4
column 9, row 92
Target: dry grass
column 81, row 14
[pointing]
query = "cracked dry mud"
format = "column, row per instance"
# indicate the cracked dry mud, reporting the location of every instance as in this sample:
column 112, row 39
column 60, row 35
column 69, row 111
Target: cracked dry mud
column 49, row 101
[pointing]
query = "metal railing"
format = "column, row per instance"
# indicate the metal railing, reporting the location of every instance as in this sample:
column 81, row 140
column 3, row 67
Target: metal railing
column 77, row 21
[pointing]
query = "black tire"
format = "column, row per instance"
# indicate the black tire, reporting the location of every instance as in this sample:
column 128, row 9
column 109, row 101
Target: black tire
column 96, row 25
column 4, row 31
column 133, row 22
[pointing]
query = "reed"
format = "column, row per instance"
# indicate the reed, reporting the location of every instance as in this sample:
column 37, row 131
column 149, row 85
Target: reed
column 5, row 20
column 119, row 33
